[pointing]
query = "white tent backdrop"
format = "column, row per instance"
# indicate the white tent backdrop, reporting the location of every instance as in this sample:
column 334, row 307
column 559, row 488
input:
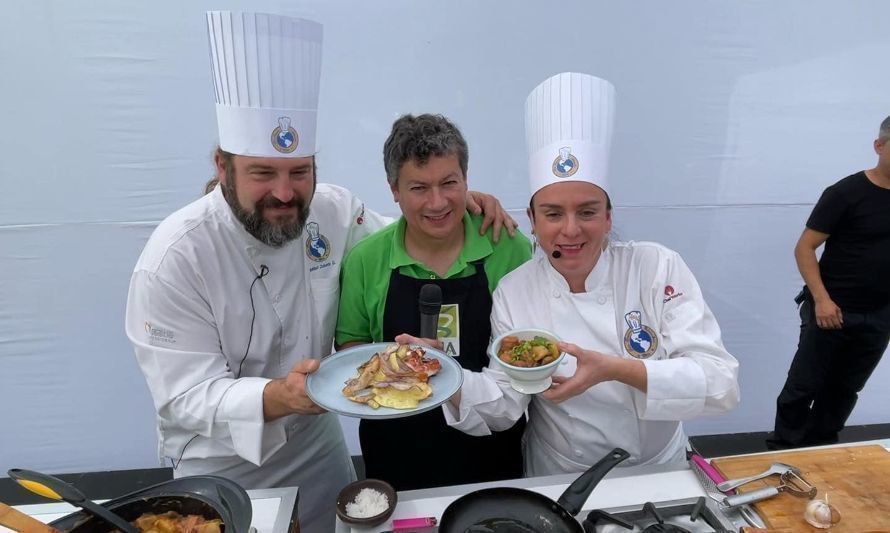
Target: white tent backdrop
column 732, row 117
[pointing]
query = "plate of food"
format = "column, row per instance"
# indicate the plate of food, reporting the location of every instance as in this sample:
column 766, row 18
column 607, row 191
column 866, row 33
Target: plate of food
column 384, row 380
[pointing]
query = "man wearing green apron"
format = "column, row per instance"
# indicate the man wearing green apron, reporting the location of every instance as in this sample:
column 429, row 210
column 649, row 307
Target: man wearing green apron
column 434, row 242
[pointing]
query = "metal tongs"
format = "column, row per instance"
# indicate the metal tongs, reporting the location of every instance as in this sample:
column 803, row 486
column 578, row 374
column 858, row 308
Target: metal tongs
column 789, row 482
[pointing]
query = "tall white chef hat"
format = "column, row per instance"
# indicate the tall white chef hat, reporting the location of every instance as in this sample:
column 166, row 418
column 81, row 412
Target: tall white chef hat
column 266, row 72
column 568, row 130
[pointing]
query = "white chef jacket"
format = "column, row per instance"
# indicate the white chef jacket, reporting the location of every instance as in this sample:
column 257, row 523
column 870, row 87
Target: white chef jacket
column 689, row 372
column 190, row 318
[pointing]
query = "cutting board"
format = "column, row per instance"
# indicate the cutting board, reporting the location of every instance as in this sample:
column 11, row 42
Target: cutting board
column 856, row 479
column 16, row 520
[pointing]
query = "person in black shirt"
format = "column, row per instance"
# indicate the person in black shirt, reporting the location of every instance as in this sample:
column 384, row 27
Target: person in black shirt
column 844, row 306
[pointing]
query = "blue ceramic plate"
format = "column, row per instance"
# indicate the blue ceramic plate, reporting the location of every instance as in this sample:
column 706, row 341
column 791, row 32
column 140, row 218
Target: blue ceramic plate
column 325, row 385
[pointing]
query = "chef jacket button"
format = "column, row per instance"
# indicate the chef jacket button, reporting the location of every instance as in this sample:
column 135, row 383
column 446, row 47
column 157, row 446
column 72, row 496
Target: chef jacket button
column 556, row 294
column 601, row 300
column 276, row 298
column 578, row 453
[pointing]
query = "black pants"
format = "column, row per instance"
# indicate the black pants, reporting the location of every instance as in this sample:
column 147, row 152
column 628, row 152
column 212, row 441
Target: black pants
column 829, row 370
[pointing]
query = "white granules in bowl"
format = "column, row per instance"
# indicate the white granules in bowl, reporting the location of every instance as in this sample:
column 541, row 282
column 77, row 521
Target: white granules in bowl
column 368, row 503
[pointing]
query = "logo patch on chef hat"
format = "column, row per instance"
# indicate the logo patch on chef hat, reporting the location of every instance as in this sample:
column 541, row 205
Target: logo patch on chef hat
column 284, row 137
column 565, row 164
column 318, row 247
column 640, row 341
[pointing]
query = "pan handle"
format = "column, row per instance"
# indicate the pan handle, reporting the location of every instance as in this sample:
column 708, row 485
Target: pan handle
column 55, row 489
column 576, row 495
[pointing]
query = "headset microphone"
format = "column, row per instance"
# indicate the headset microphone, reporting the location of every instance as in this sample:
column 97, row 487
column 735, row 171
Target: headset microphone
column 556, row 254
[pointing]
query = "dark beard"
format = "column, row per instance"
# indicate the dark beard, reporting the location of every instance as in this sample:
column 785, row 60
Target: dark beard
column 273, row 235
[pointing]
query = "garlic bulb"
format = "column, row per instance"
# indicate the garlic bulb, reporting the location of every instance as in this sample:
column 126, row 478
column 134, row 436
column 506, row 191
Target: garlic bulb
column 821, row 514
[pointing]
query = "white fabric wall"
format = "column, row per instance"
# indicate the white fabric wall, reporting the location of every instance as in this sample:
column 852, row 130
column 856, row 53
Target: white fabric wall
column 732, row 117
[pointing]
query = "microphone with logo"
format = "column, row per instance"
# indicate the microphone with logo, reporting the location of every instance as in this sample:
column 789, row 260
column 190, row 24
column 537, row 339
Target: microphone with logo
column 429, row 302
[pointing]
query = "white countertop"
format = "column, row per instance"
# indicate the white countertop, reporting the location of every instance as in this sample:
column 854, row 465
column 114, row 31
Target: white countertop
column 622, row 486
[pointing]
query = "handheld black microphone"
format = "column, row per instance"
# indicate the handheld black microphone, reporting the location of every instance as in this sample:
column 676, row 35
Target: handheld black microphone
column 430, row 303
column 556, row 254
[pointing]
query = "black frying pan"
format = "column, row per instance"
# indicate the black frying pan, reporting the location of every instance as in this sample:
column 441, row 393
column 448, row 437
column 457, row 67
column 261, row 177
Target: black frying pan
column 512, row 510
column 208, row 496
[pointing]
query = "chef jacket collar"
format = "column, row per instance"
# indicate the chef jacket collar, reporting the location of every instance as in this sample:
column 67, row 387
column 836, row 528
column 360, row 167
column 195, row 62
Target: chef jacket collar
column 597, row 277
column 475, row 247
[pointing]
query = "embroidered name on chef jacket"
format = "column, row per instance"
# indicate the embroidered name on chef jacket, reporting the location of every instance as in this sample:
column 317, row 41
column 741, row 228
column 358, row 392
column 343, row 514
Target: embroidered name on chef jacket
column 640, row 340
column 449, row 329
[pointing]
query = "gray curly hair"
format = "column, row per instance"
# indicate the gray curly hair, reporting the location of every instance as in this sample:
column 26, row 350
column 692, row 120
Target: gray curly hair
column 419, row 138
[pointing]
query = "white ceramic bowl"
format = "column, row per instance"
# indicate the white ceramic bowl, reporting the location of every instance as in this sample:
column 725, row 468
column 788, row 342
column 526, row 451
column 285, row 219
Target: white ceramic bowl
column 527, row 380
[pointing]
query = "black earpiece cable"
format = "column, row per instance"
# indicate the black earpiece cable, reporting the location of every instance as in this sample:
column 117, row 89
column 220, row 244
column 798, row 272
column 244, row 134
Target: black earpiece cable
column 264, row 271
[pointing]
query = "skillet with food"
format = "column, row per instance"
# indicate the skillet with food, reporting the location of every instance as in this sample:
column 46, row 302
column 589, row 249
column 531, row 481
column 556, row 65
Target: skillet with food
column 514, row 510
column 199, row 504
column 207, row 497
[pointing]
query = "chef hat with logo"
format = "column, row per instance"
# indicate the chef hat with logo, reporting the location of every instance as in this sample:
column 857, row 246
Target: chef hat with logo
column 266, row 72
column 568, row 130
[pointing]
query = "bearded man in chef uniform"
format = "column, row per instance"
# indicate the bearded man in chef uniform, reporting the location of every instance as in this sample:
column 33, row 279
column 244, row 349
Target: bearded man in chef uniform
column 644, row 348
column 234, row 297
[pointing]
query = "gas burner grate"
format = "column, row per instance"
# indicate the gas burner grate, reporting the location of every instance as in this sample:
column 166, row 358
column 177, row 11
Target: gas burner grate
column 692, row 515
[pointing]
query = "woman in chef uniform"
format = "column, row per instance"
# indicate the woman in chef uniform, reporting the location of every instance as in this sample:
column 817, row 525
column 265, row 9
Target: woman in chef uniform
column 645, row 349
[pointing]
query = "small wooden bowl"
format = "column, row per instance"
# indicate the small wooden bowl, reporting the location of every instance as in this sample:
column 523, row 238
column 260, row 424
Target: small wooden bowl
column 348, row 494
